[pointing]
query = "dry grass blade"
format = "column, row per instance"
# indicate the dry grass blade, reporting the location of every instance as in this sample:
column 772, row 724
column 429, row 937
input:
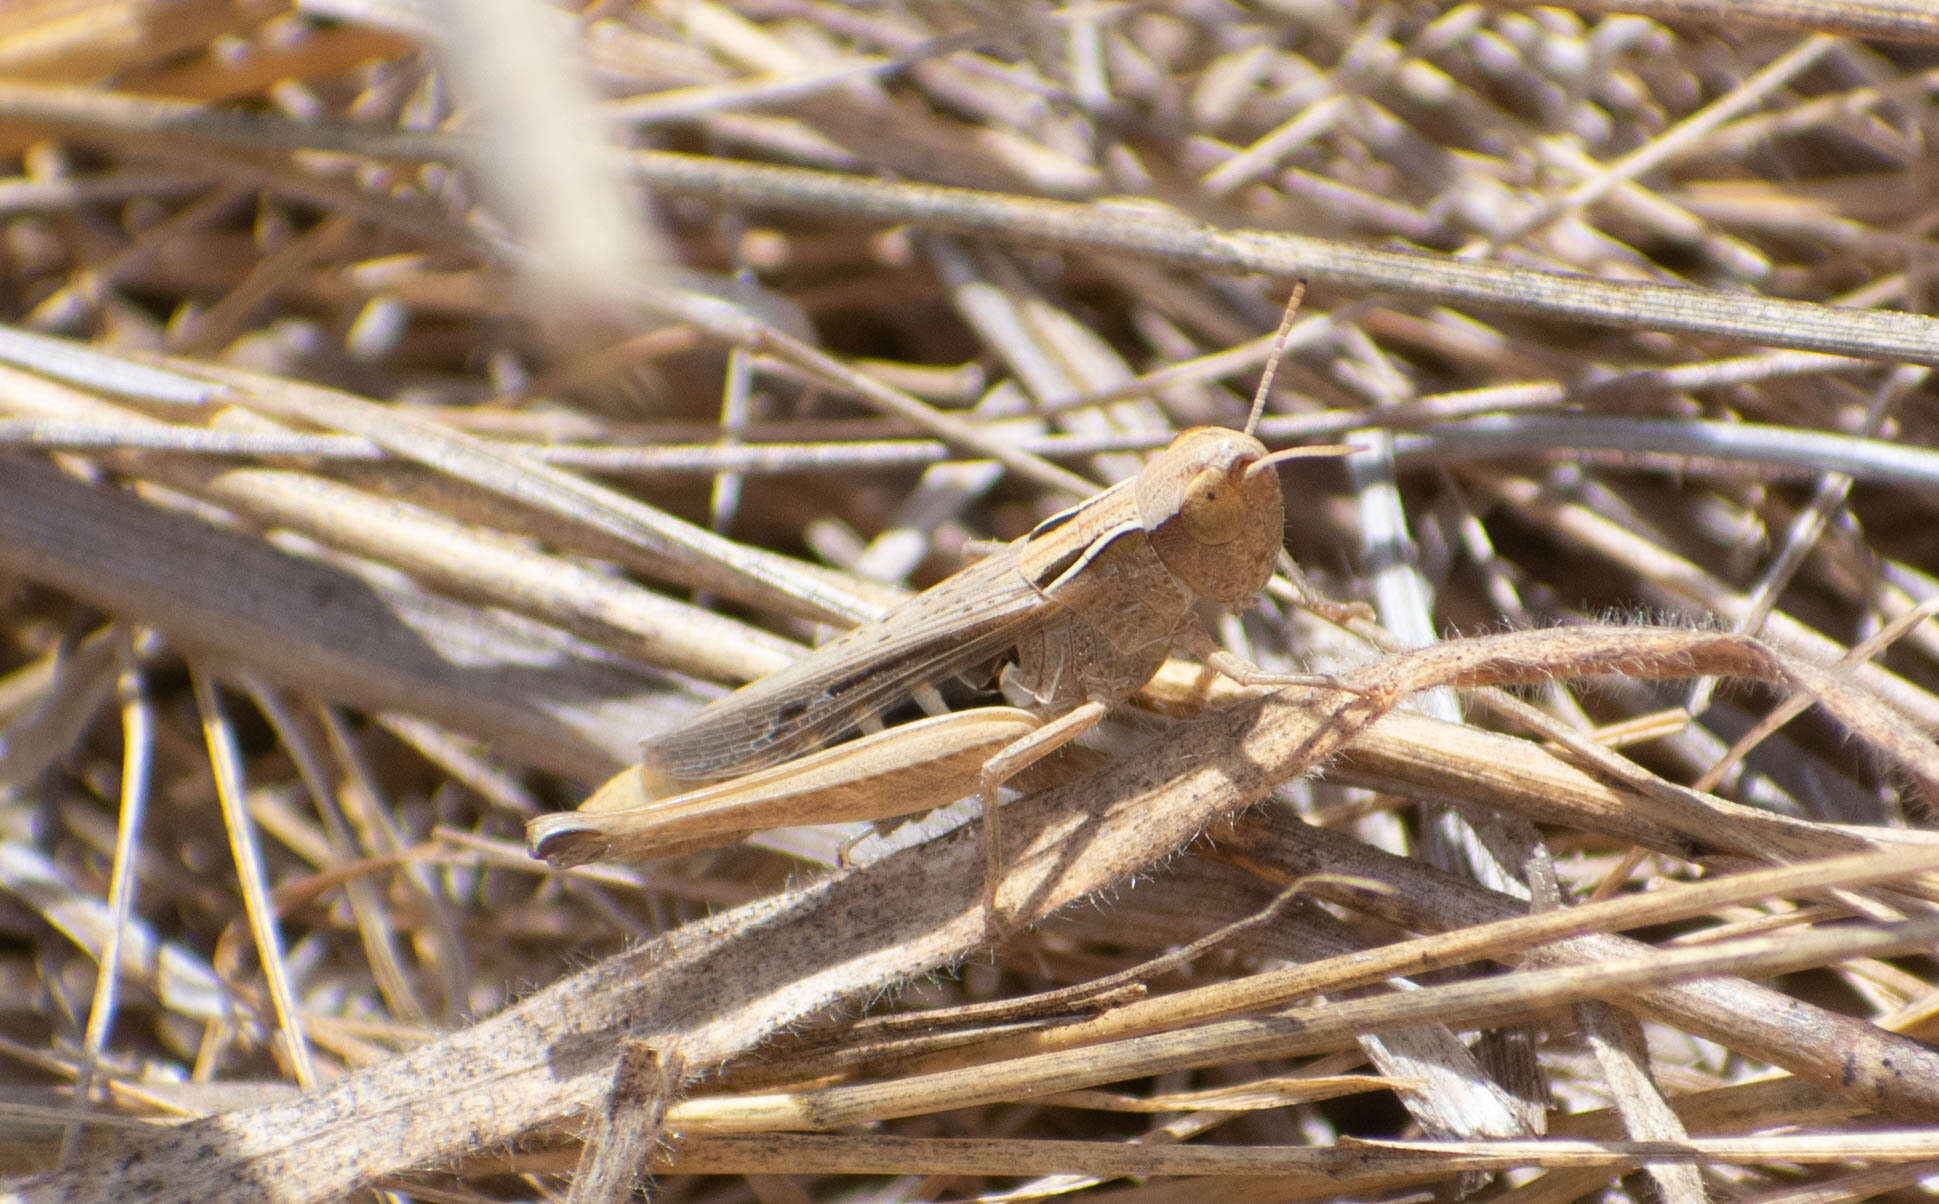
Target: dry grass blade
column 402, row 418
column 1908, row 19
column 714, row 989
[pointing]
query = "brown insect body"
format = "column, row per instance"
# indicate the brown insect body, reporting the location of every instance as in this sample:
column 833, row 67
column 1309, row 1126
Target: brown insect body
column 1089, row 604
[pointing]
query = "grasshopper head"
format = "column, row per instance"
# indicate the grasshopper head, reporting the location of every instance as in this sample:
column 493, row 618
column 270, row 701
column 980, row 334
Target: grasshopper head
column 1215, row 523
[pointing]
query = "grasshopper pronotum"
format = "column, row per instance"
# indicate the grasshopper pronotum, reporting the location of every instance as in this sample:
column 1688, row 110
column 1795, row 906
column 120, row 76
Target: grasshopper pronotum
column 1080, row 613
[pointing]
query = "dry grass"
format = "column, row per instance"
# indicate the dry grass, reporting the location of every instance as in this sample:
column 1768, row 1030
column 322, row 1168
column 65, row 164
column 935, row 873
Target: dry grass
column 402, row 417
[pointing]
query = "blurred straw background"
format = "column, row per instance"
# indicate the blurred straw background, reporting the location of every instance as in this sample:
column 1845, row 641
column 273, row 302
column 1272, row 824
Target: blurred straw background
column 407, row 408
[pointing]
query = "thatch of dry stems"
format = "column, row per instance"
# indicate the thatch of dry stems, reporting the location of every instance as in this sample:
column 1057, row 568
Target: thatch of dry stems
column 405, row 409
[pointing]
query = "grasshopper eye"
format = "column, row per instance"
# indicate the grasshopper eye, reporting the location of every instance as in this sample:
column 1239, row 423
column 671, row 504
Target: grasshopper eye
column 1214, row 508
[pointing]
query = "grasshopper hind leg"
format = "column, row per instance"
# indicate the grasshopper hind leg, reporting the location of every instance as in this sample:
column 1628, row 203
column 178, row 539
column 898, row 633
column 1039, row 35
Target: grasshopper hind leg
column 1006, row 764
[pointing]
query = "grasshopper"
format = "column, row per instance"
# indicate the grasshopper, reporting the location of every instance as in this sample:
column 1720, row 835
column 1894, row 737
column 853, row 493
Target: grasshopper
column 1080, row 613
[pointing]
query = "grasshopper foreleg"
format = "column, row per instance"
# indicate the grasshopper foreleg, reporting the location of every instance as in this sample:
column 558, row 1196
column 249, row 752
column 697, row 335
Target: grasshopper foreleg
column 1194, row 640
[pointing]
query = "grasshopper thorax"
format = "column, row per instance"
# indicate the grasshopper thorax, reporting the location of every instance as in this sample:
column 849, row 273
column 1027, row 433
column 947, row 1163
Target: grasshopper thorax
column 1214, row 522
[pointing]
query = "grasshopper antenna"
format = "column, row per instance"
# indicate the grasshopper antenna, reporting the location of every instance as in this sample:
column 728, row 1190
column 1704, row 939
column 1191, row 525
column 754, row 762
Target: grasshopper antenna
column 1308, row 451
column 1265, row 386
column 1278, row 350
